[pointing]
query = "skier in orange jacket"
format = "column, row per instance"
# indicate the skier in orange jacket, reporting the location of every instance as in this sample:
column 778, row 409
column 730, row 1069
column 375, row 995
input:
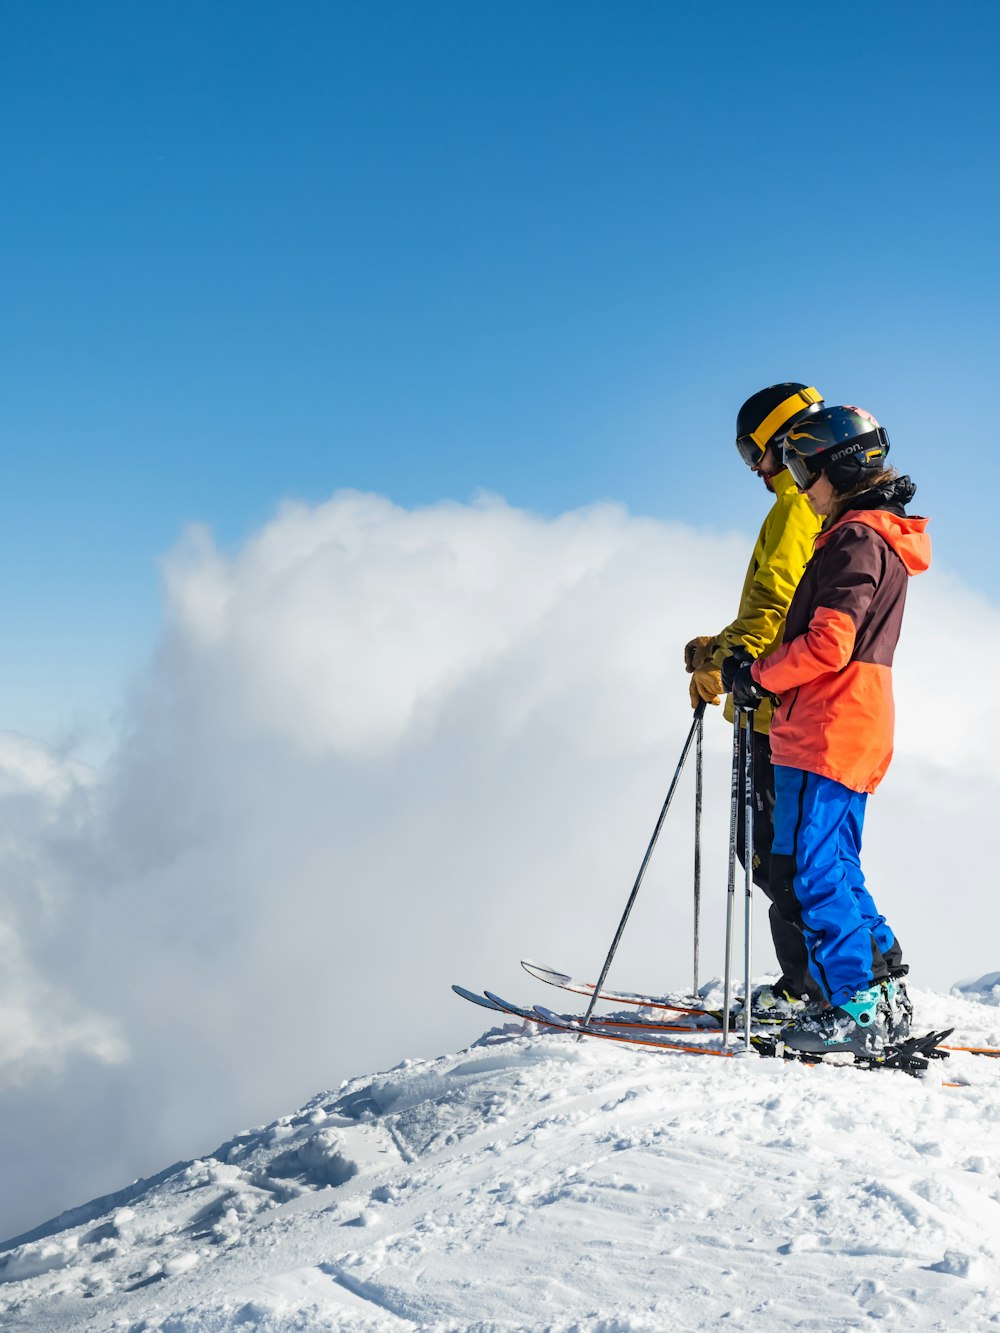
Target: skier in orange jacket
column 832, row 733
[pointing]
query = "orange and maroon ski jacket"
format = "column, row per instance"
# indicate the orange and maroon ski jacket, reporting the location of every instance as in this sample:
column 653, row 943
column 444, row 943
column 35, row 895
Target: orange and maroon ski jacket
column 833, row 672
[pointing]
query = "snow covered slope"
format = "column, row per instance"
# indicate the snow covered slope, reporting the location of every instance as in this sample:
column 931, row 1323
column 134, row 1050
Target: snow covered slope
column 536, row 1182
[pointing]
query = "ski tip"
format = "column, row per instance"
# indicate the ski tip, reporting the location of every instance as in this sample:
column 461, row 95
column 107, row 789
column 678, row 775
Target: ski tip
column 474, row 998
column 504, row 1007
column 544, row 973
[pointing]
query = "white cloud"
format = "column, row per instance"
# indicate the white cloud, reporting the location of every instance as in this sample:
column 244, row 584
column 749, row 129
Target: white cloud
column 381, row 750
column 44, row 808
column 340, row 627
column 41, row 1027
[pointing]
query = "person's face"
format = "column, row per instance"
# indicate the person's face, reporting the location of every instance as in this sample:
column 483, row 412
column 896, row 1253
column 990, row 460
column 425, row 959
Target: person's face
column 769, row 462
column 821, row 495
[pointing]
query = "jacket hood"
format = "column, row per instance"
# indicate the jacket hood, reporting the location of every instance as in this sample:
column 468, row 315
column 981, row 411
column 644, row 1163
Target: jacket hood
column 905, row 534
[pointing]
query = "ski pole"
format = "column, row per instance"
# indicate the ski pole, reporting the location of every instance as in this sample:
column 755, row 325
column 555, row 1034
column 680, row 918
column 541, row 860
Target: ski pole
column 699, row 713
column 748, row 867
column 698, row 775
column 734, row 805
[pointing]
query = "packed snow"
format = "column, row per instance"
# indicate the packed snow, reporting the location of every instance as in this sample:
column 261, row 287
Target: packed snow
column 534, row 1181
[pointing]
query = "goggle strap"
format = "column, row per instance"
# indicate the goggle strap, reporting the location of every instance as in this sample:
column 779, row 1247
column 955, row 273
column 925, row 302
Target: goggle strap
column 775, row 419
column 861, row 444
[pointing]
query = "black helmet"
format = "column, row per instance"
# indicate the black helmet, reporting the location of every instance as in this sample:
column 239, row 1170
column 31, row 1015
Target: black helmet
column 764, row 417
column 846, row 443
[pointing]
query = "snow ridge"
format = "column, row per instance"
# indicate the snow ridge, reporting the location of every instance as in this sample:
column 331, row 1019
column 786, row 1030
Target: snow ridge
column 537, row 1182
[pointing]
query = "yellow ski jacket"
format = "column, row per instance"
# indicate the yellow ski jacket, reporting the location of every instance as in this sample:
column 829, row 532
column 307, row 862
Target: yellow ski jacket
column 783, row 548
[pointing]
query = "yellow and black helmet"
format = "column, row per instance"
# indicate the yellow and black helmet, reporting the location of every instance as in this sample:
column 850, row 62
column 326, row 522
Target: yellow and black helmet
column 766, row 416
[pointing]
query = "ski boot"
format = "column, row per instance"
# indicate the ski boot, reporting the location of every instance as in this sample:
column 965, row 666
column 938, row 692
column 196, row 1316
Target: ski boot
column 772, row 1003
column 900, row 1009
column 859, row 1027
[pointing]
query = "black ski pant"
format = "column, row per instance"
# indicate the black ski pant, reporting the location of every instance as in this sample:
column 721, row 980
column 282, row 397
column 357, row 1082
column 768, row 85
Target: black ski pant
column 789, row 943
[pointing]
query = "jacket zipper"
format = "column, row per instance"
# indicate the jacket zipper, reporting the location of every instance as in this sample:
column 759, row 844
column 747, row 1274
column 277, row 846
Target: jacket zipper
column 793, row 703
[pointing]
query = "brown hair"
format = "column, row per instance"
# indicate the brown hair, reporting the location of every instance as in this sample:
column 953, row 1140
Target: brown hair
column 843, row 501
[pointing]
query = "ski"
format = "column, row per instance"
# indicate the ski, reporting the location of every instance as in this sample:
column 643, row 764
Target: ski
column 759, row 1035
column 568, row 983
column 635, row 1034
column 911, row 1056
column 542, row 1015
column 627, row 1024
column 559, row 1023
column 549, row 1019
column 565, row 982
column 604, row 1021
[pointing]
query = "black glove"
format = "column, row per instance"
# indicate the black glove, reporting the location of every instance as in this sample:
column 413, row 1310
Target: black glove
column 737, row 681
column 731, row 665
column 745, row 690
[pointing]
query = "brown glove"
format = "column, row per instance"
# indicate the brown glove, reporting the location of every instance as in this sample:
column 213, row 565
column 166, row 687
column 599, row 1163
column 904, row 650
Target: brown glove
column 706, row 683
column 699, row 651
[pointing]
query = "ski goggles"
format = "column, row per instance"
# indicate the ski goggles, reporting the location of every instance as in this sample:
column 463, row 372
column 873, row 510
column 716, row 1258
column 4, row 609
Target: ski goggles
column 749, row 450
column 806, row 469
column 803, row 471
column 770, row 431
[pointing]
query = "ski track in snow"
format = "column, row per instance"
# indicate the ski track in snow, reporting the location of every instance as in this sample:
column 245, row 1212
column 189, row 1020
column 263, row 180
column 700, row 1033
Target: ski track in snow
column 537, row 1182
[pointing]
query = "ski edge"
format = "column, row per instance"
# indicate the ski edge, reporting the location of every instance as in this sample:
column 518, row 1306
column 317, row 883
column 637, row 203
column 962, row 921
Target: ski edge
column 564, row 981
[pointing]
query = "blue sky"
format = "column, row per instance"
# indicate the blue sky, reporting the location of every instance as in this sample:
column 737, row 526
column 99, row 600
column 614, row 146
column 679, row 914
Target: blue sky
column 258, row 250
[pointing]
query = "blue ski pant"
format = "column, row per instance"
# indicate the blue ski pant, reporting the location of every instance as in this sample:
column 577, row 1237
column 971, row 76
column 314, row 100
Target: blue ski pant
column 817, row 883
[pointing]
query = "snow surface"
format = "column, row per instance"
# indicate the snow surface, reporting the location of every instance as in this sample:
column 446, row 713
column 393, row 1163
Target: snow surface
column 537, row 1182
column 984, row 989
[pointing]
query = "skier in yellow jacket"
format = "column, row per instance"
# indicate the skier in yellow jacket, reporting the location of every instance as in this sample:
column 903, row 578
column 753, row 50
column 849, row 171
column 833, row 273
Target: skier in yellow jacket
column 783, row 548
